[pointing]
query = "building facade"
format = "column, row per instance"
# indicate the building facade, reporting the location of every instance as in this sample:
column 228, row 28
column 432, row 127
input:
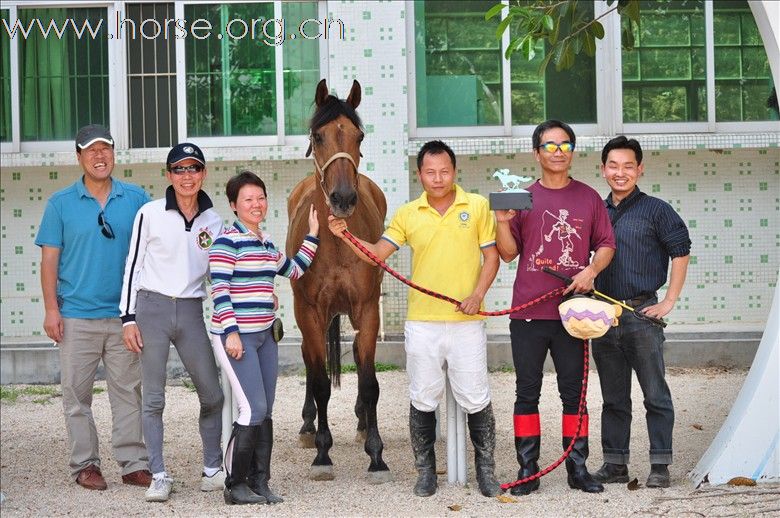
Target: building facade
column 238, row 78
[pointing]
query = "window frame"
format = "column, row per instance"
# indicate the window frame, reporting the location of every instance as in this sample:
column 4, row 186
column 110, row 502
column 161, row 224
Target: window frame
column 609, row 85
column 118, row 89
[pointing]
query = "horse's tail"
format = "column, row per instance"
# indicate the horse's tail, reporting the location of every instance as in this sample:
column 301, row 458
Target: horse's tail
column 334, row 351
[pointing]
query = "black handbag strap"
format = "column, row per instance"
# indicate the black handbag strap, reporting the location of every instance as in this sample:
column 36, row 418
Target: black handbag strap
column 623, row 207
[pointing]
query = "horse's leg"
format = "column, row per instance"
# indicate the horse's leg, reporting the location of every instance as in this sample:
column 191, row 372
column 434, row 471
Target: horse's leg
column 360, row 411
column 312, row 325
column 322, row 467
column 367, row 320
column 309, row 412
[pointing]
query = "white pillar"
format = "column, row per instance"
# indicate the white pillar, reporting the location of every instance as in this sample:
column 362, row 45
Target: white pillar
column 457, row 469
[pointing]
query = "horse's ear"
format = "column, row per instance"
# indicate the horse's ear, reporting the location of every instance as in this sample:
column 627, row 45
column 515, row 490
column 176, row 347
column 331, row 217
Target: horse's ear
column 322, row 93
column 354, row 95
column 308, row 151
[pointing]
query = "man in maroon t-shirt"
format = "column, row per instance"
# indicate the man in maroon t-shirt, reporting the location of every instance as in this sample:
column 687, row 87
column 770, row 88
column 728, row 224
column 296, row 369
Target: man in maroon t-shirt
column 568, row 222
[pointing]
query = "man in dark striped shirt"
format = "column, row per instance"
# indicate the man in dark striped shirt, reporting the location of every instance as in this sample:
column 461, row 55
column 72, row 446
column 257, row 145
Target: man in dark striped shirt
column 648, row 233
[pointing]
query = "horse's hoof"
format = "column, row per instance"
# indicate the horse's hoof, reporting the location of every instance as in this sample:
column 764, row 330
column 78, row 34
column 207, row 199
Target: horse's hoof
column 379, row 477
column 306, row 440
column 321, row 473
column 360, row 436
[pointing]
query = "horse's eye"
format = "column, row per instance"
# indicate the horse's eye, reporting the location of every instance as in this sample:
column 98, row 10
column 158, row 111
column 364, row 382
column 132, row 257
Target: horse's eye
column 317, row 138
column 361, row 137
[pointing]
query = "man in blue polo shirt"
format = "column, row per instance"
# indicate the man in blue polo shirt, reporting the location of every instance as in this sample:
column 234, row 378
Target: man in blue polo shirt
column 84, row 238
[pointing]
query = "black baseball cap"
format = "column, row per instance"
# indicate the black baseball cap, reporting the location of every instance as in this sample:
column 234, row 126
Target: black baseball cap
column 92, row 133
column 184, row 151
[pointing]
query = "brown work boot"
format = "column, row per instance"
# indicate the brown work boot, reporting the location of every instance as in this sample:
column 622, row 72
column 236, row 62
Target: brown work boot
column 142, row 478
column 91, row 478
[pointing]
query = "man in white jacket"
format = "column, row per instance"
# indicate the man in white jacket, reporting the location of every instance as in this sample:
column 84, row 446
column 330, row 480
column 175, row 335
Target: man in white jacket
column 162, row 303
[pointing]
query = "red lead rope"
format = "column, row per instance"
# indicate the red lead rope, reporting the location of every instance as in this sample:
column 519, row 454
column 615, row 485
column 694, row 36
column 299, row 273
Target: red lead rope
column 352, row 239
column 547, row 296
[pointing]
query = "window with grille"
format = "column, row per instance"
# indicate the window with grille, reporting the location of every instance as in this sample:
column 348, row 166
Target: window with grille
column 151, row 75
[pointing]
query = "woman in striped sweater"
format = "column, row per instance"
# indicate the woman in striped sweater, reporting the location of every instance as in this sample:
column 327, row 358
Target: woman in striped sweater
column 244, row 263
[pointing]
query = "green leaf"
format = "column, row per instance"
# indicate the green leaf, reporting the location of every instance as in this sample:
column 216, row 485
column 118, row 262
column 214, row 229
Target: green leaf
column 553, row 37
column 548, row 22
column 545, row 62
column 627, row 36
column 589, row 44
column 494, row 11
column 502, row 27
column 596, row 29
column 564, row 57
column 576, row 43
column 558, row 51
column 568, row 60
column 528, row 47
column 513, row 46
column 631, row 10
column 571, row 7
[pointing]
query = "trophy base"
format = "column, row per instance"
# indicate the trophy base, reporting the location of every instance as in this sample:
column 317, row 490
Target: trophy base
column 517, row 200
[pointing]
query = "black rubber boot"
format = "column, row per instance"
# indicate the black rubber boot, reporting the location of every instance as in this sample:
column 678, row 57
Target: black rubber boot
column 242, row 442
column 422, row 430
column 579, row 478
column 482, row 429
column 260, row 471
column 528, row 457
column 611, row 473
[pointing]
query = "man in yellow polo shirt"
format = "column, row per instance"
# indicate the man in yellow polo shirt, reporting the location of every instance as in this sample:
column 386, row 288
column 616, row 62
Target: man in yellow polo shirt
column 452, row 235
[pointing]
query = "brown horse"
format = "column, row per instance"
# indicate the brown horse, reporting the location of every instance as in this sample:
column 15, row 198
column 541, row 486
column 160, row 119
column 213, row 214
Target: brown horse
column 338, row 282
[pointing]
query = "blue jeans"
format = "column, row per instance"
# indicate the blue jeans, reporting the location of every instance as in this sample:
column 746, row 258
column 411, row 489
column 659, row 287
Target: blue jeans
column 634, row 344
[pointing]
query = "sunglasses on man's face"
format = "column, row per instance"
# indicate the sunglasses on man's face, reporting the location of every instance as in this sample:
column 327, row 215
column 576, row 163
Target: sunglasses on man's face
column 182, row 169
column 552, row 147
column 105, row 228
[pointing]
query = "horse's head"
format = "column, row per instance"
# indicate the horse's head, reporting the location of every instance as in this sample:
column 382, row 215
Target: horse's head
column 334, row 140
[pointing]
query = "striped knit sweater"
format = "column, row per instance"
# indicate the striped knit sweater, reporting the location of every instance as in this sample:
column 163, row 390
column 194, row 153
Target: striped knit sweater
column 243, row 268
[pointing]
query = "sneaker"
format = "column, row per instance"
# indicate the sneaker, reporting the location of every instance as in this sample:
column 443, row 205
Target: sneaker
column 216, row 482
column 159, row 490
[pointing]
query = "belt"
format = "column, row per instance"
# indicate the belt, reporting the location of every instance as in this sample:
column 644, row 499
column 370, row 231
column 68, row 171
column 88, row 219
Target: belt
column 637, row 301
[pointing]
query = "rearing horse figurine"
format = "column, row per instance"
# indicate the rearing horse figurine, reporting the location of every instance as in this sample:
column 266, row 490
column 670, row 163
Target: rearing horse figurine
column 337, row 281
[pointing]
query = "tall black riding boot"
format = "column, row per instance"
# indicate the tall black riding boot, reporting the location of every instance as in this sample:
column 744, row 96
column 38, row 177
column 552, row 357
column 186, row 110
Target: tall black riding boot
column 482, row 428
column 579, row 478
column 422, row 430
column 260, row 471
column 528, row 441
column 242, row 443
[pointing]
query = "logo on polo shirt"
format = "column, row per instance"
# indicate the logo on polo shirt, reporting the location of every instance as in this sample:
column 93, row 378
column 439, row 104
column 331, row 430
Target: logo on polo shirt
column 464, row 219
column 205, row 239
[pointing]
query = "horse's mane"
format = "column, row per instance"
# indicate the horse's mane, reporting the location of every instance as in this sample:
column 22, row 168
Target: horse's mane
column 330, row 110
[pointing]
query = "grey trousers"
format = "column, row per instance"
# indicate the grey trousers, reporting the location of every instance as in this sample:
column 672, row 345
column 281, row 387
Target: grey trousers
column 164, row 320
column 85, row 343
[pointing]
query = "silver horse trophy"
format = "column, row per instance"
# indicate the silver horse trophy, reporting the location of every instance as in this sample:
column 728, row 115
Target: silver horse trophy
column 511, row 195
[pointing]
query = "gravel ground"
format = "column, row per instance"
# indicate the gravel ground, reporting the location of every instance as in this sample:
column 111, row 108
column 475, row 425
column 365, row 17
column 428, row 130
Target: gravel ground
column 34, row 480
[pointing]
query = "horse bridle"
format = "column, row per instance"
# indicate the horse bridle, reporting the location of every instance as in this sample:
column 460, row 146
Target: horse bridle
column 321, row 169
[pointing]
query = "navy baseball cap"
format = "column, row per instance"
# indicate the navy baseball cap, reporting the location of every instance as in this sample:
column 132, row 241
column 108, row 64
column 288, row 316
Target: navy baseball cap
column 184, row 151
column 92, row 133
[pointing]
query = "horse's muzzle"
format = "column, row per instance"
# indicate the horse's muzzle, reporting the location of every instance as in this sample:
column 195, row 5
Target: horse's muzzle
column 342, row 205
